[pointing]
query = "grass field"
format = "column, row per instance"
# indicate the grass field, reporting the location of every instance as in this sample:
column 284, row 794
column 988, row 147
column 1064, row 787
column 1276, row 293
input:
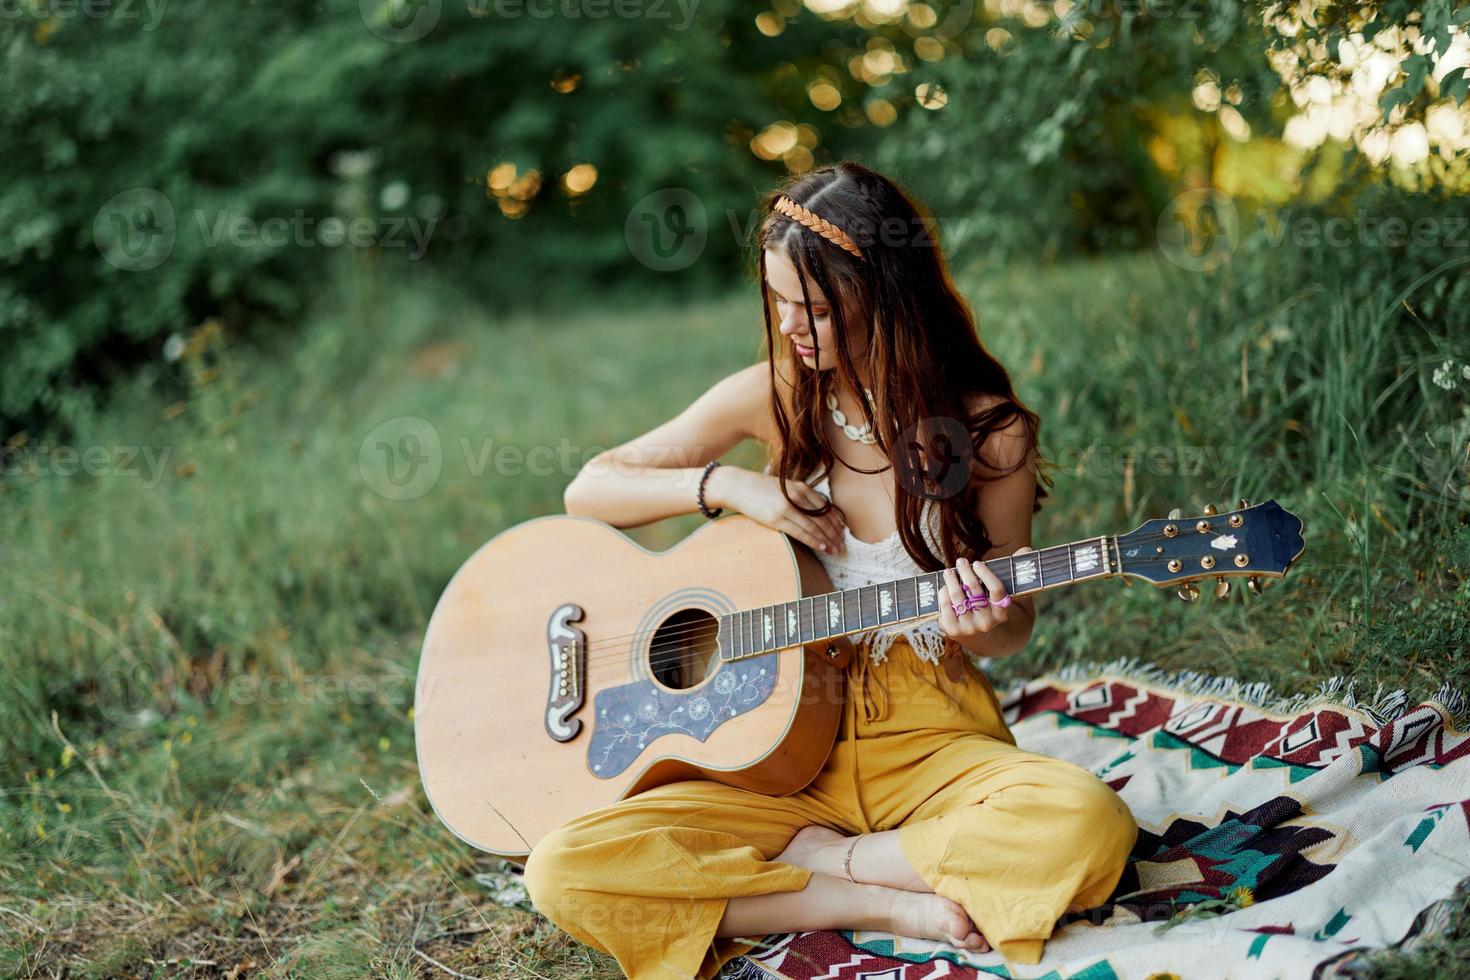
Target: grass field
column 210, row 632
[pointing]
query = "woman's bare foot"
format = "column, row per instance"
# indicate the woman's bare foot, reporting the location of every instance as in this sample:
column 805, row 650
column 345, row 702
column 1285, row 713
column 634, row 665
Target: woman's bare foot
column 828, row 902
column 917, row 914
column 817, row 848
column 928, row 916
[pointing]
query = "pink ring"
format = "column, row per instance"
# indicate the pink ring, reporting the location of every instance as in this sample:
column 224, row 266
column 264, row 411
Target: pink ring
column 1002, row 602
column 968, row 592
column 960, row 608
column 978, row 602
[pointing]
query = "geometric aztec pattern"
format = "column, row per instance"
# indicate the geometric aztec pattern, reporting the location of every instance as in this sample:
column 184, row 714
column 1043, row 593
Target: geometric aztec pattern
column 1281, row 842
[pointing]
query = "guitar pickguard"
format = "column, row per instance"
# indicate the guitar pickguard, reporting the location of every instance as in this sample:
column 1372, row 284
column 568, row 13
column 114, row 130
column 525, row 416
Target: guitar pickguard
column 629, row 718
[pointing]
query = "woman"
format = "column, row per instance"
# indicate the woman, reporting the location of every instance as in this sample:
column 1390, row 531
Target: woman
column 896, row 446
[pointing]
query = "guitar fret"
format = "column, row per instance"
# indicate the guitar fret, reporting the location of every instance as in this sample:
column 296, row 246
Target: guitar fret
column 852, row 611
column 764, row 629
column 1061, row 565
column 908, row 598
column 1064, row 572
column 887, row 607
column 1087, row 559
column 1025, row 571
column 928, row 587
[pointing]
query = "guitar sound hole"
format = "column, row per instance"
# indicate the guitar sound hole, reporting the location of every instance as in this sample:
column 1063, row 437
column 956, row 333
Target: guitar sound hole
column 685, row 649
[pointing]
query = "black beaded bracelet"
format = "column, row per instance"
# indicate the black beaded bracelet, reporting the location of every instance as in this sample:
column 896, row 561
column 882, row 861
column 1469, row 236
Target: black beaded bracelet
column 703, row 507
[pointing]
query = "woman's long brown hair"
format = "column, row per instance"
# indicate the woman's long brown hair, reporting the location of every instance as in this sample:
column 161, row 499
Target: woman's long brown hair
column 924, row 357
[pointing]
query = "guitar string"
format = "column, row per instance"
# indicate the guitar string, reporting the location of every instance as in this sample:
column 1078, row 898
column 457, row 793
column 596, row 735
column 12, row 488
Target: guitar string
column 672, row 637
column 677, row 635
column 712, row 623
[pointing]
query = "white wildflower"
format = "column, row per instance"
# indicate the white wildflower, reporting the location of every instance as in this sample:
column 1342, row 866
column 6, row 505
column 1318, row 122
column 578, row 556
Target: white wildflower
column 1444, row 375
column 173, row 348
column 393, row 196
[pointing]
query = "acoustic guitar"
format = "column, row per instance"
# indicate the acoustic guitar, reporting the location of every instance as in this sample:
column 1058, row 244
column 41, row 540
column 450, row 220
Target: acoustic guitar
column 566, row 667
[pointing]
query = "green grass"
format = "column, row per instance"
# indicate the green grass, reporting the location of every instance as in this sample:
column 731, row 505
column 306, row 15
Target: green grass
column 207, row 724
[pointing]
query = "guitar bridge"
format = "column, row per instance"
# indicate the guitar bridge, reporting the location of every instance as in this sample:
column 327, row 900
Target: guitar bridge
column 568, row 648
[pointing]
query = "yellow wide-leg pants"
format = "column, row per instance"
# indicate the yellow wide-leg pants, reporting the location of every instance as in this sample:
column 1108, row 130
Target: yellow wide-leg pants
column 1014, row 837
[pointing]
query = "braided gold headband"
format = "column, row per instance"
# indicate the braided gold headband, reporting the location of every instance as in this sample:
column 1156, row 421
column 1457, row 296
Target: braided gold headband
column 818, row 224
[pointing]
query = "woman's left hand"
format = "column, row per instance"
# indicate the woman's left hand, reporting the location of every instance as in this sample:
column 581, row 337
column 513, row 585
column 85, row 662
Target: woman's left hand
column 982, row 581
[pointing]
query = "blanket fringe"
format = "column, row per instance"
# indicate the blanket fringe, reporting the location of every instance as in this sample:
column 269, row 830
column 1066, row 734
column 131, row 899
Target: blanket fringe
column 741, row 968
column 1383, row 706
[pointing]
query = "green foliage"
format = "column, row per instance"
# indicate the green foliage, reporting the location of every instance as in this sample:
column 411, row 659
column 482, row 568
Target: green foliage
column 1042, row 148
column 228, row 640
column 231, row 117
column 1433, row 20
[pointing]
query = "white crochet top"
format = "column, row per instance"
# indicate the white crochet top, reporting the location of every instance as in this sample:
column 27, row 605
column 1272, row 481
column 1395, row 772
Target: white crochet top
column 867, row 562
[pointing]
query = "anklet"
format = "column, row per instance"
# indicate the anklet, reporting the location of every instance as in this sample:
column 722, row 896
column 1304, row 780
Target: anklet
column 847, row 861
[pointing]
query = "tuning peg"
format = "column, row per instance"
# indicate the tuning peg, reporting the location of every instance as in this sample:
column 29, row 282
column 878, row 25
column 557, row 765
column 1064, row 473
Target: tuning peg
column 1222, row 587
column 1209, row 510
column 1188, row 592
column 1254, row 584
column 1175, row 514
column 1243, row 504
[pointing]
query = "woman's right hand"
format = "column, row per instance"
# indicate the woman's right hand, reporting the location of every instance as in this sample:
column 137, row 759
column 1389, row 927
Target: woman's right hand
column 759, row 497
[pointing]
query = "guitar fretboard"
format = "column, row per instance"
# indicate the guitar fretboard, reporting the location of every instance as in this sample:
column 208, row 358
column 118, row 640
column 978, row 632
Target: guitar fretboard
column 766, row 629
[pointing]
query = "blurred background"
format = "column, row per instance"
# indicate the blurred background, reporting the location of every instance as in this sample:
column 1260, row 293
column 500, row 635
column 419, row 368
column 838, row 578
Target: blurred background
column 300, row 302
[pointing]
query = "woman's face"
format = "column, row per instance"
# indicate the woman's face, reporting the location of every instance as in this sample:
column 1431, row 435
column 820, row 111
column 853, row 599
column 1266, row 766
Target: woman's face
column 809, row 329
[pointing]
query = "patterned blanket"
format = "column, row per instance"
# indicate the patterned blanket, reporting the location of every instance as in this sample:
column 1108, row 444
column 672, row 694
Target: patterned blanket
column 1278, row 837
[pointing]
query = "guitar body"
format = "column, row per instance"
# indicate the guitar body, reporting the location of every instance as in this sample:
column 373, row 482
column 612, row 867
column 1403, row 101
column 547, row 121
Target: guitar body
column 566, row 667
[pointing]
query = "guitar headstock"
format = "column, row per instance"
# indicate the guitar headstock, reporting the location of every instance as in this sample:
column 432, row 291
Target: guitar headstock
column 1253, row 542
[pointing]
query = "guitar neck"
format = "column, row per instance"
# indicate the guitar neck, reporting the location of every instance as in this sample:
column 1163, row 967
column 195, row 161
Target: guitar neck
column 766, row 629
